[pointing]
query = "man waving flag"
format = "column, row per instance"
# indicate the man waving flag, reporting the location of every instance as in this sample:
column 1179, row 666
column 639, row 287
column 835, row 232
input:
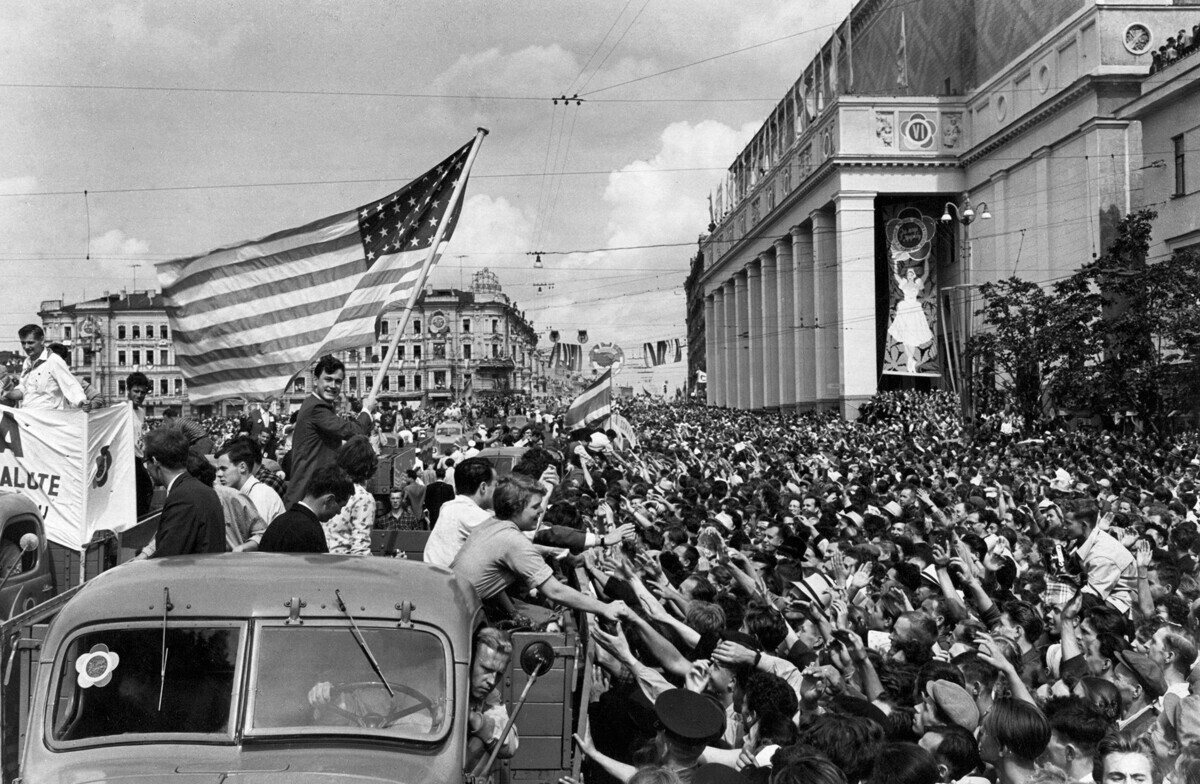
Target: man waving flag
column 248, row 317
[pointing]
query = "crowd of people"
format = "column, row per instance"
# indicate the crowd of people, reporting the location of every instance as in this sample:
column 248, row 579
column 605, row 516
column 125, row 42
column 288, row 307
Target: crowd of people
column 775, row 598
column 1176, row 47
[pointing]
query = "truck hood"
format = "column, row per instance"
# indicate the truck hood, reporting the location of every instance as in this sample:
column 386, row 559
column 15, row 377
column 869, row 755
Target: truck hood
column 184, row 775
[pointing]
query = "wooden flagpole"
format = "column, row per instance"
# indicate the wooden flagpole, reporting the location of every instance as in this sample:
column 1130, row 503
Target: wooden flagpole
column 376, row 385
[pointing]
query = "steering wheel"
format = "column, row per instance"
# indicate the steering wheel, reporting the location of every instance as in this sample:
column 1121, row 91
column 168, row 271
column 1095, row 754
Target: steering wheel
column 376, row 720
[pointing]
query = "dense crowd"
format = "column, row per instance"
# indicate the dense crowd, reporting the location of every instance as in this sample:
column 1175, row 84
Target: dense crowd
column 776, row 598
column 887, row 601
column 1183, row 44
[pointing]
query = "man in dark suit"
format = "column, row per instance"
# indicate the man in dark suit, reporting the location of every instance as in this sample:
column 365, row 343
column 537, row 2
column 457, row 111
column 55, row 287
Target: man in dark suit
column 192, row 519
column 438, row 493
column 298, row 530
column 319, row 430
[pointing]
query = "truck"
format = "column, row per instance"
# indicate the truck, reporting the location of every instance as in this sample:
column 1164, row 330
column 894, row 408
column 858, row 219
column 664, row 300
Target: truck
column 201, row 668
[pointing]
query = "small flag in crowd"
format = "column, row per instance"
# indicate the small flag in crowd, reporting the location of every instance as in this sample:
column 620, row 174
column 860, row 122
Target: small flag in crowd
column 593, row 406
column 247, row 318
column 583, row 336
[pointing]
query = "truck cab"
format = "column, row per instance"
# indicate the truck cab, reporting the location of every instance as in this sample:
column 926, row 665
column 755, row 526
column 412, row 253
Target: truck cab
column 26, row 577
column 202, row 668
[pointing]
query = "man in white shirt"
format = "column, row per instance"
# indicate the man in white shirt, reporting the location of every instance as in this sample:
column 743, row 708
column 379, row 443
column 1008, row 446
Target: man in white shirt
column 46, row 381
column 474, row 483
column 237, row 463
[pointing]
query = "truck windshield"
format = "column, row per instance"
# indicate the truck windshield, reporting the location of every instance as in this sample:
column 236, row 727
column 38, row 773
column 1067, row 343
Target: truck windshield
column 317, row 679
column 111, row 679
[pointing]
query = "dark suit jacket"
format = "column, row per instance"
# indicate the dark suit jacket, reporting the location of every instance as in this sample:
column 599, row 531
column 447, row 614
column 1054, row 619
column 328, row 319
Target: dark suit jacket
column 192, row 520
column 437, row 494
column 295, row 531
column 318, row 435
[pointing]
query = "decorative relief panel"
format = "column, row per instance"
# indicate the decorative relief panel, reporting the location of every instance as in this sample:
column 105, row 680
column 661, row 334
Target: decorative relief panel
column 884, row 130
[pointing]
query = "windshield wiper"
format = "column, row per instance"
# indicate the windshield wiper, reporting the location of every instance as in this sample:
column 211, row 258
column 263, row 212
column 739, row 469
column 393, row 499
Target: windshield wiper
column 362, row 643
column 162, row 667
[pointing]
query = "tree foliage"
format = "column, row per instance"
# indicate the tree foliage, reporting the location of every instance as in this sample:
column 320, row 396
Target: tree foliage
column 1120, row 335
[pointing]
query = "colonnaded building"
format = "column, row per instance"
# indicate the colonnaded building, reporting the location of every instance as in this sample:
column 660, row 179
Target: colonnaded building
column 931, row 146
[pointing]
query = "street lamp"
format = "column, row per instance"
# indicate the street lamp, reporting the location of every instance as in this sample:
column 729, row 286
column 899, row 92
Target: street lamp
column 966, row 215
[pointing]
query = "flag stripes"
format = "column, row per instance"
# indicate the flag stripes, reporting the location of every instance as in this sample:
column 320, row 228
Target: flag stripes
column 593, row 405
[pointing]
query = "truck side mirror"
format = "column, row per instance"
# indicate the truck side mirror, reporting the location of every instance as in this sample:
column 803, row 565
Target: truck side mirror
column 537, row 658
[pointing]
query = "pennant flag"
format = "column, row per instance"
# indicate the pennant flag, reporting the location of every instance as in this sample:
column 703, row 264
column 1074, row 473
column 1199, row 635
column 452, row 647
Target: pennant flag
column 678, row 350
column 701, row 377
column 902, row 56
column 554, row 336
column 583, row 336
column 593, row 406
column 247, row 318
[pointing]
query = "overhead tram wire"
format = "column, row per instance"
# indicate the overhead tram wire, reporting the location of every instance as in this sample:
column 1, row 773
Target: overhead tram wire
column 503, row 175
column 615, row 45
column 598, row 47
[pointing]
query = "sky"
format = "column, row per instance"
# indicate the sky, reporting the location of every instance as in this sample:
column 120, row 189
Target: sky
column 202, row 123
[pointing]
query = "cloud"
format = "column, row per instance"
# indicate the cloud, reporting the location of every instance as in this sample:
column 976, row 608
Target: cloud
column 534, row 70
column 116, row 242
column 652, row 204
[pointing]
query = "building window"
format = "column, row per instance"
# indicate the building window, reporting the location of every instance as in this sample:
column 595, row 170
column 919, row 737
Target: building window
column 67, row 332
column 137, row 356
column 120, row 332
column 439, row 379
column 137, row 332
column 179, row 387
column 416, row 326
column 400, row 353
column 164, row 387
column 439, row 350
column 466, row 350
column 386, row 384
column 401, row 382
column 495, row 326
column 496, row 350
column 1180, row 169
column 121, row 387
column 466, row 325
column 369, row 382
column 299, row 384
column 121, row 358
column 416, row 352
column 417, row 381
column 383, row 327
column 354, row 383
column 162, row 332
column 164, row 357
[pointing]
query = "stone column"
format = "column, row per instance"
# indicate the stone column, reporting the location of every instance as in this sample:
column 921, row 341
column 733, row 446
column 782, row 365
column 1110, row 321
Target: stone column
column 729, row 345
column 770, row 343
column 754, row 322
column 805, row 358
column 824, row 308
column 741, row 321
column 858, row 371
column 786, row 325
column 710, row 348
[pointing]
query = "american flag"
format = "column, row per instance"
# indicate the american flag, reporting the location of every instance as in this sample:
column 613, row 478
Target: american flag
column 248, row 317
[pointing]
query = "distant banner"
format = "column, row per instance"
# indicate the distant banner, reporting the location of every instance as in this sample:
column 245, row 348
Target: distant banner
column 662, row 352
column 568, row 356
column 76, row 467
column 911, row 348
column 626, row 438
